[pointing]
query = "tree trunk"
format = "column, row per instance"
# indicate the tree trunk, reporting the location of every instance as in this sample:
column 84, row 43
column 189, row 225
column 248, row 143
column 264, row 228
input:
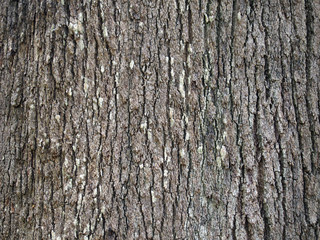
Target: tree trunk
column 160, row 119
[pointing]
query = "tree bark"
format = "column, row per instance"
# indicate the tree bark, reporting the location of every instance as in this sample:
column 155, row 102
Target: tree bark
column 159, row 119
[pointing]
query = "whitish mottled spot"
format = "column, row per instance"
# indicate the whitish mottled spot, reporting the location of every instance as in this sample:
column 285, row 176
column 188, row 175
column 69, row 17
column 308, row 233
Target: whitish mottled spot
column 70, row 92
column 172, row 73
column 187, row 136
column 95, row 106
column 131, row 64
column 143, row 126
column 68, row 185
column 102, row 69
column 53, row 235
column 206, row 18
column 76, row 28
column 239, row 16
column 182, row 153
column 81, row 45
column 66, row 162
column 82, row 176
column 166, row 184
column 225, row 121
column 181, row 45
column 117, row 78
column 223, row 152
column 57, row 117
column 189, row 61
column 149, row 134
column 105, row 32
column 200, row 150
column 85, row 85
column 219, row 162
column 186, row 119
column 100, row 101
column 141, row 166
column 166, row 157
column 80, row 17
column 171, row 111
column 181, row 85
column 154, row 199
column 224, row 135
column 103, row 209
column 203, row 232
column 206, row 75
column 190, row 212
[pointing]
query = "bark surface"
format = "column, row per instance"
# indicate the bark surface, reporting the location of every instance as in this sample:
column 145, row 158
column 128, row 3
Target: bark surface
column 159, row 119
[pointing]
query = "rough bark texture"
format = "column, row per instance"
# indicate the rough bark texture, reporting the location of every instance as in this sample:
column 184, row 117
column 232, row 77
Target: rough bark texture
column 173, row 119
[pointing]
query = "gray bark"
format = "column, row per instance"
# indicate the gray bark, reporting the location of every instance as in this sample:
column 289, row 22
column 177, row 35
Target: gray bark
column 159, row 119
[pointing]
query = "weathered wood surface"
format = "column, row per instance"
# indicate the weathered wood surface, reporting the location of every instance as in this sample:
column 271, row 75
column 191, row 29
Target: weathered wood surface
column 159, row 119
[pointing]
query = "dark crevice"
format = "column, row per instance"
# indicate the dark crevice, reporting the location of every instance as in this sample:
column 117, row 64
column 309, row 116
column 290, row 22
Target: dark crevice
column 247, row 228
column 266, row 56
column 310, row 82
column 218, row 36
column 234, row 235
